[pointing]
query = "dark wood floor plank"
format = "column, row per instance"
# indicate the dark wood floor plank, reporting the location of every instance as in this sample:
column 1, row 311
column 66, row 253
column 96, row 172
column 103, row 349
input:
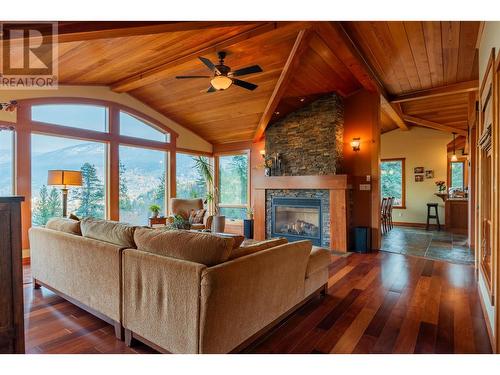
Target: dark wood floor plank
column 376, row 303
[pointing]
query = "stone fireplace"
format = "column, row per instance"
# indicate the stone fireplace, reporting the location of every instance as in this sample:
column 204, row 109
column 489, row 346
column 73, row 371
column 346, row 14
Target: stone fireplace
column 309, row 143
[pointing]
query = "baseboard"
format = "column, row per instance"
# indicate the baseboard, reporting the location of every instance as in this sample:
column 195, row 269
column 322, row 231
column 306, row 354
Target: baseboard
column 416, row 225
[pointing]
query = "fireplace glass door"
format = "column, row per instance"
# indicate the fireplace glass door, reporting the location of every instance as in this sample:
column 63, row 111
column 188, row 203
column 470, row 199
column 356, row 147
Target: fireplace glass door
column 297, row 219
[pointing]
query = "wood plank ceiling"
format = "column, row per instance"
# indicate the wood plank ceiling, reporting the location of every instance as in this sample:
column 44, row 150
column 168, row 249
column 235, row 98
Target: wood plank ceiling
column 414, row 56
column 300, row 60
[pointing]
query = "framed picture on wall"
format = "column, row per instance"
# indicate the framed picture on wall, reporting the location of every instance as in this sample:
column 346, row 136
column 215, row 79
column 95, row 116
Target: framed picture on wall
column 429, row 173
column 419, row 178
column 418, row 170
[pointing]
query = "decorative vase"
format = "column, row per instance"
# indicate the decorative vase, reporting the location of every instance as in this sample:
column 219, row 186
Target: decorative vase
column 155, row 215
column 218, row 224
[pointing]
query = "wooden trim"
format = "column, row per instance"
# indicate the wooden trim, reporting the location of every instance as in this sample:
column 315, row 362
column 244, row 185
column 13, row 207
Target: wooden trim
column 156, row 73
column 113, row 167
column 434, row 125
column 98, row 102
column 26, row 261
column 194, row 152
column 71, row 31
column 414, row 225
column 403, row 192
column 232, row 147
column 299, row 47
column 455, row 88
column 83, row 306
column 480, row 33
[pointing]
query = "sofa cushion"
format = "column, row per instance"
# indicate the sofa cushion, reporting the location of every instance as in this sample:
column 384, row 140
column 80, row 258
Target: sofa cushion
column 250, row 247
column 319, row 259
column 204, row 248
column 64, row 225
column 238, row 238
column 108, row 231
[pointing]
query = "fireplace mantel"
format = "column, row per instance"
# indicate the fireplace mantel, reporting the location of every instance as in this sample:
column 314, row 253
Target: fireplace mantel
column 328, row 182
column 338, row 186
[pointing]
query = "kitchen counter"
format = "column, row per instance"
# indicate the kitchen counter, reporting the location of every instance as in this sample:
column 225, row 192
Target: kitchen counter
column 456, row 215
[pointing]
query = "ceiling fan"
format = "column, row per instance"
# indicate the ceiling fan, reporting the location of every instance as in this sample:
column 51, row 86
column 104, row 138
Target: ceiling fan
column 223, row 77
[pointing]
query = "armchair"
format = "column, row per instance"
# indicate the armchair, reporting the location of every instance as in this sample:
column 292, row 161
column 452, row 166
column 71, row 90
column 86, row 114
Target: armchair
column 184, row 207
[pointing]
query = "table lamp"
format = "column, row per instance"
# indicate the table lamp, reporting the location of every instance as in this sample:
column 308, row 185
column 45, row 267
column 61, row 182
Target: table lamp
column 64, row 178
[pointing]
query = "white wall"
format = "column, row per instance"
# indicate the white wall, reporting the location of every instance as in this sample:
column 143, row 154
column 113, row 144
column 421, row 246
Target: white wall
column 420, row 147
column 187, row 139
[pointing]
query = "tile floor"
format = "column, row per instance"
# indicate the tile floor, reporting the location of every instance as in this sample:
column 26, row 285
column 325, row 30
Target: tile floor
column 430, row 244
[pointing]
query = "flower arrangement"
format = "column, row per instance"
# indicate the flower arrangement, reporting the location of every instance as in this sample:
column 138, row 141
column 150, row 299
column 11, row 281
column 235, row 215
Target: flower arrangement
column 441, row 185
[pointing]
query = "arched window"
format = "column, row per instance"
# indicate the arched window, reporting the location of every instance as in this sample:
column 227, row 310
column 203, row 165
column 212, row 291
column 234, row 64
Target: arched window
column 123, row 156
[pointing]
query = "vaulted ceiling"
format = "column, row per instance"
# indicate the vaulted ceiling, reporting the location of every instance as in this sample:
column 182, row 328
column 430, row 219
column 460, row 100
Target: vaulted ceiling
column 300, row 62
column 417, row 57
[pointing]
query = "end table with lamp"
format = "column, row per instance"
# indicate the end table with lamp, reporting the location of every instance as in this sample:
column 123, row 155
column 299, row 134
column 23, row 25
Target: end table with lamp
column 65, row 179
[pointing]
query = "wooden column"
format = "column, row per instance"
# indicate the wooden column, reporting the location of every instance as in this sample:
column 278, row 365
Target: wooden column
column 363, row 165
column 22, row 168
column 113, row 198
column 339, row 237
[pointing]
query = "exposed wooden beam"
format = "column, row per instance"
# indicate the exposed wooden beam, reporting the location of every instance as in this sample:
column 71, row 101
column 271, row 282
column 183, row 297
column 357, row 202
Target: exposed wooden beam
column 456, row 88
column 299, row 47
column 342, row 44
column 68, row 31
column 434, row 125
column 394, row 112
column 160, row 72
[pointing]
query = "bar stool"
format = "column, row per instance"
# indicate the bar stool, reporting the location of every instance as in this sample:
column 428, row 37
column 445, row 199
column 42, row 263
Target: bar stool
column 435, row 216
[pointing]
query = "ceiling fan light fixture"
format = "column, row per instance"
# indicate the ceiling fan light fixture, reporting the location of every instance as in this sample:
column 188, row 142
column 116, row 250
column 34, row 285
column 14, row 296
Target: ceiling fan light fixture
column 221, row 82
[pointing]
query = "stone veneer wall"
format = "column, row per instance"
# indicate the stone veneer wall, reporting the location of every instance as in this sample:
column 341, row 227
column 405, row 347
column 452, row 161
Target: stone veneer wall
column 324, row 195
column 310, row 139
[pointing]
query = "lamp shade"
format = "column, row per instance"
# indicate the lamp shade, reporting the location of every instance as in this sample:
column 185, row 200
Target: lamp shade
column 64, row 178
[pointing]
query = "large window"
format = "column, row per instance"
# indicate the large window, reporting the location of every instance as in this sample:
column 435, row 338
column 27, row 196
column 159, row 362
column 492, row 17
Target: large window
column 48, row 152
column 233, row 185
column 6, row 163
column 457, row 175
column 131, row 126
column 142, row 183
column 393, row 180
column 82, row 116
column 189, row 179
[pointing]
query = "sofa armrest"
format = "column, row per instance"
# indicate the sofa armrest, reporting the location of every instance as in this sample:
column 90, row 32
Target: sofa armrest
column 82, row 268
column 318, row 259
column 242, row 296
column 161, row 299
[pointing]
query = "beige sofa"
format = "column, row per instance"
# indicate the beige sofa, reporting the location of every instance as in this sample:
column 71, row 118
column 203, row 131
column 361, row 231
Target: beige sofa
column 179, row 291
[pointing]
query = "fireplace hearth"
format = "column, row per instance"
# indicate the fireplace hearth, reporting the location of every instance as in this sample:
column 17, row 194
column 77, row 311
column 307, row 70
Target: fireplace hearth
column 297, row 219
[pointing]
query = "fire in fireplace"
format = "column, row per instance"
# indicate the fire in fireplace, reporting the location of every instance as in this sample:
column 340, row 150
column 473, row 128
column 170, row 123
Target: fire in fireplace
column 297, row 219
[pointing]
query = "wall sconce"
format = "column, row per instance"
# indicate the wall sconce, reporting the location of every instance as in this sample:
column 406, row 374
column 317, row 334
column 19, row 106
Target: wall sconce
column 355, row 143
column 262, row 153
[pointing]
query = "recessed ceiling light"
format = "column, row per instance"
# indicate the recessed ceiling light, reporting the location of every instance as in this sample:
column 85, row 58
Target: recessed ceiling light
column 301, row 99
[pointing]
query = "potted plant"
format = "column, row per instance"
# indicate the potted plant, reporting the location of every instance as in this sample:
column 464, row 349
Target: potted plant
column 441, row 185
column 207, row 171
column 181, row 223
column 155, row 210
column 249, row 213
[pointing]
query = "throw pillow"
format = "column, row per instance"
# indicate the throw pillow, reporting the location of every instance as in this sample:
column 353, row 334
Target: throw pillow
column 196, row 216
column 109, row 231
column 257, row 246
column 64, row 225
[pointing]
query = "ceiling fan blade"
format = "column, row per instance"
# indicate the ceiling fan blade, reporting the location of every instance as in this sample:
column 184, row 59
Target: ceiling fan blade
column 182, row 77
column 247, row 70
column 210, row 65
column 211, row 89
column 244, row 84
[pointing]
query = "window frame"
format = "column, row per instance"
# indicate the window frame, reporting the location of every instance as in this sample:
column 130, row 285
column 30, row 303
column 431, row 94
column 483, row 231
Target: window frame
column 217, row 155
column 10, row 127
column 462, row 161
column 24, row 127
column 403, row 181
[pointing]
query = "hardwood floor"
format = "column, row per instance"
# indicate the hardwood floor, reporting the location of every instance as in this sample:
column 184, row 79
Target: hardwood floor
column 377, row 303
